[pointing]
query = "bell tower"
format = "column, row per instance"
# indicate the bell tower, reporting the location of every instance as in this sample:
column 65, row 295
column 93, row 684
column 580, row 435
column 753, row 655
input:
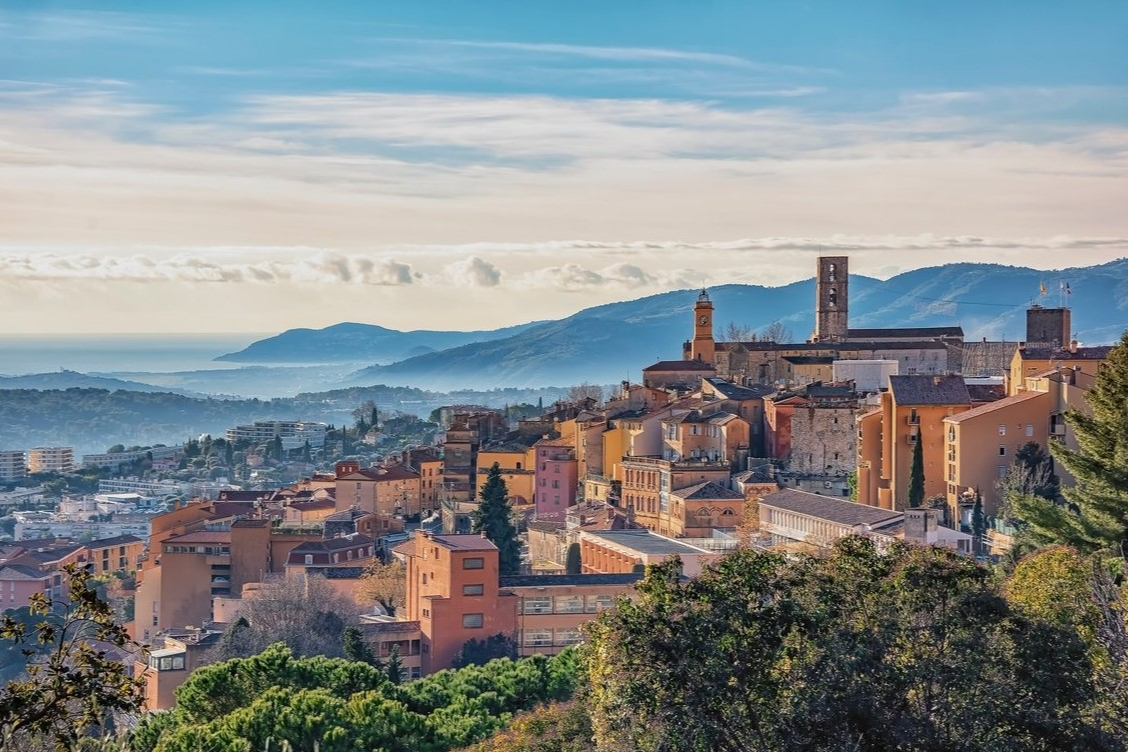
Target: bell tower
column 830, row 299
column 702, row 346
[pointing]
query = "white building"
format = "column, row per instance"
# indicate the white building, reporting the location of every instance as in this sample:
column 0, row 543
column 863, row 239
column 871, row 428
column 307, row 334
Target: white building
column 114, row 459
column 294, row 433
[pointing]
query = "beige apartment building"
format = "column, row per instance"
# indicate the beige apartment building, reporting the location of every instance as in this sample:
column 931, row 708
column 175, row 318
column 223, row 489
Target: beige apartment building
column 50, row 460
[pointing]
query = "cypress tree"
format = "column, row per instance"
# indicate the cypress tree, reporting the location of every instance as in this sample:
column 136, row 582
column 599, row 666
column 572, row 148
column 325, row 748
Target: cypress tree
column 979, row 525
column 355, row 648
column 493, row 518
column 395, row 667
column 572, row 559
column 916, row 476
column 1093, row 519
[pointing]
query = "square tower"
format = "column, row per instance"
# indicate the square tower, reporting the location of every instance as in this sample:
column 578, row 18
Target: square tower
column 830, row 299
column 1048, row 326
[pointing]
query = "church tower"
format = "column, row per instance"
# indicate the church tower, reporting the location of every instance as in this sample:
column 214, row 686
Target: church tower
column 702, row 346
column 830, row 299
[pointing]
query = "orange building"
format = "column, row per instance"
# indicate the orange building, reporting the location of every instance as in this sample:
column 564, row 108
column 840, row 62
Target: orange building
column 516, row 463
column 1029, row 361
column 122, row 552
column 649, row 481
column 625, row 551
column 167, row 667
column 696, row 510
column 912, row 410
column 391, row 493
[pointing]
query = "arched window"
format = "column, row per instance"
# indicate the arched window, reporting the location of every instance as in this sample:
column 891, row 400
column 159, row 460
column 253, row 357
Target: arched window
column 831, row 298
column 831, row 273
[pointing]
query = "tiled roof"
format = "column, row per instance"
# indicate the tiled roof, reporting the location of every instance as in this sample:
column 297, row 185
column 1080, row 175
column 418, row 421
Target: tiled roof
column 563, row 580
column 396, row 472
column 707, row 490
column 976, row 412
column 986, row 392
column 465, row 542
column 117, row 540
column 679, row 365
column 21, row 572
column 202, row 536
column 828, row 508
column 729, row 390
column 929, row 390
column 910, row 332
column 1057, row 353
column 340, row 543
column 312, row 505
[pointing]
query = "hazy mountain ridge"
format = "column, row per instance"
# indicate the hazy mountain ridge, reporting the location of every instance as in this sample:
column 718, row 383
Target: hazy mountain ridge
column 352, row 342
column 614, row 341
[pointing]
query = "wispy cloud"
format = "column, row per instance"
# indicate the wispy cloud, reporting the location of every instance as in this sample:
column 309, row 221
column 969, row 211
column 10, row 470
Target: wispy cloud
column 79, row 25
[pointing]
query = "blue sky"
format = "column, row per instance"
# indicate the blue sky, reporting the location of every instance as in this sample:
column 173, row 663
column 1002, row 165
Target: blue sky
column 537, row 155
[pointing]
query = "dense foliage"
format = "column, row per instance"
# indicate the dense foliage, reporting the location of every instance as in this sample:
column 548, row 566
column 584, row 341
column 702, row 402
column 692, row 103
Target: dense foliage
column 240, row 705
column 494, row 518
column 1093, row 519
column 74, row 655
column 913, row 649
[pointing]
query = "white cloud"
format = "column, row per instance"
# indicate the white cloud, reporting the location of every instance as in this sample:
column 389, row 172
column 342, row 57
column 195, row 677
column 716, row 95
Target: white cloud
column 473, row 272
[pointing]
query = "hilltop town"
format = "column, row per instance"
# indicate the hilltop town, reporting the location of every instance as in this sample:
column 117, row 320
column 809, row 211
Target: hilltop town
column 898, row 435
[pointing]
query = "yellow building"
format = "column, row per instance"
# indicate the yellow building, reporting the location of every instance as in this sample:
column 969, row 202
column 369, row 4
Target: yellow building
column 1029, row 361
column 392, row 493
column 516, row 463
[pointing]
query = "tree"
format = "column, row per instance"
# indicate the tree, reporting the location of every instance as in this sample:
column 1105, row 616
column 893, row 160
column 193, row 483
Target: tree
column 916, row 476
column 395, row 667
column 1093, row 519
column 585, row 391
column 735, row 332
column 911, row 649
column 979, row 525
column 305, row 613
column 572, row 559
column 355, row 648
column 475, row 652
column 276, row 448
column 493, row 518
column 777, row 331
column 75, row 656
column 385, row 584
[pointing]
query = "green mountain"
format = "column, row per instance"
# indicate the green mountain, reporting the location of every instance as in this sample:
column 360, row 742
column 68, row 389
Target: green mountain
column 612, row 342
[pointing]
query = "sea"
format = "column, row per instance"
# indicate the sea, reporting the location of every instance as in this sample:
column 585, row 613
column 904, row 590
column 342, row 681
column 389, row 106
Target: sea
column 22, row 354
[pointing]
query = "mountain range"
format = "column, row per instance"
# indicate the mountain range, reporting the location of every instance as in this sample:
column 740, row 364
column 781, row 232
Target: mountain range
column 608, row 343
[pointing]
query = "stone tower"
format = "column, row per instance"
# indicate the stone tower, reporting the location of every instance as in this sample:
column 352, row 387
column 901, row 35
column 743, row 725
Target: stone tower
column 702, row 346
column 1048, row 326
column 830, row 299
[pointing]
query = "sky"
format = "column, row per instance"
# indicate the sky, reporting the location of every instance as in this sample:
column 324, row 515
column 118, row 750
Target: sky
column 215, row 167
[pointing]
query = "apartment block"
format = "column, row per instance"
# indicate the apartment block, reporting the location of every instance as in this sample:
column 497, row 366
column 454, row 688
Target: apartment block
column 13, row 465
column 555, row 478
column 120, row 553
column 50, row 459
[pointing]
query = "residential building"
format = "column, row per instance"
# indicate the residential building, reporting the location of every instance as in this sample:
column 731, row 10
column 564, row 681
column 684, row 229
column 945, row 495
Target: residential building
column 120, row 553
column 678, row 374
column 695, row 511
column 13, row 465
column 294, row 434
column 911, row 411
column 516, row 462
column 50, row 460
column 117, row 459
column 627, row 551
column 649, row 481
column 391, row 493
column 555, row 476
column 168, row 666
column 1031, row 360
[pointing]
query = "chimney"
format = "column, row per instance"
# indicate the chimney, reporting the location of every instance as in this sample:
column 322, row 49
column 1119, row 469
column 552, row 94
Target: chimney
column 1073, row 345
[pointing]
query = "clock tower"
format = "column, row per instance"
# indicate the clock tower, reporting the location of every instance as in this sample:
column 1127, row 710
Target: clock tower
column 702, row 346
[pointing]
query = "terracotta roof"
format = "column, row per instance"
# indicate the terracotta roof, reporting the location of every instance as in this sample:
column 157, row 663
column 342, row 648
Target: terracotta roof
column 929, row 390
column 679, row 365
column 828, row 508
column 707, row 490
column 976, row 412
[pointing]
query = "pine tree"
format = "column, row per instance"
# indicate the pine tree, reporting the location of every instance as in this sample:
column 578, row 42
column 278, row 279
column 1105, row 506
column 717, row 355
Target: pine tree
column 1093, row 519
column 395, row 667
column 356, row 649
column 916, row 476
column 493, row 518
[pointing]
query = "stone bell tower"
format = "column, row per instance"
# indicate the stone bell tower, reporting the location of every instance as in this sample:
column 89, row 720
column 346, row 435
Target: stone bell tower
column 830, row 299
column 702, row 346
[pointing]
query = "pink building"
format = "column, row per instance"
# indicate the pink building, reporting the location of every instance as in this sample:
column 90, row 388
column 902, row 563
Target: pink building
column 18, row 582
column 555, row 478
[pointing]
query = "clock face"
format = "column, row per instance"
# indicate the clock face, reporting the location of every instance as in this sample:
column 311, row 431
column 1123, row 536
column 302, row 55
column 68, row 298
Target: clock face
column 703, row 320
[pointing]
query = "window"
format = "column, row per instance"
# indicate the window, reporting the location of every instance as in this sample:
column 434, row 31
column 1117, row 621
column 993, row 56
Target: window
column 1003, row 450
column 1029, row 430
column 1003, row 430
column 472, row 590
column 556, row 484
column 309, row 558
column 595, row 603
column 472, row 621
column 567, row 636
column 167, row 662
column 1002, row 469
column 537, row 638
column 568, row 604
column 475, row 563
column 425, row 578
column 538, row 604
